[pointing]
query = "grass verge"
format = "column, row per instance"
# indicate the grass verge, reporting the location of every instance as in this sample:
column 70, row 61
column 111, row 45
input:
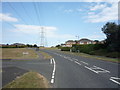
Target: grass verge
column 93, row 56
column 18, row 53
column 45, row 55
column 29, row 80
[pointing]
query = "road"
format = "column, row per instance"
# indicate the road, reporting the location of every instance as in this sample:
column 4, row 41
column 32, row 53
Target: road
column 70, row 71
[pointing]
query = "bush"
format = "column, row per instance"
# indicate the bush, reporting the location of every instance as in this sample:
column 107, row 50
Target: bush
column 101, row 52
column 99, row 46
column 65, row 48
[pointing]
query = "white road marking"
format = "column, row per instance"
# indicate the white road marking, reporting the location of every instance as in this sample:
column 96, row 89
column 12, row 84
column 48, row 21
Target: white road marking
column 113, row 79
column 84, row 62
column 52, row 80
column 75, row 59
column 51, row 61
column 64, row 57
column 70, row 59
column 77, row 62
column 97, row 69
column 52, row 76
column 101, row 69
column 91, row 69
column 54, row 68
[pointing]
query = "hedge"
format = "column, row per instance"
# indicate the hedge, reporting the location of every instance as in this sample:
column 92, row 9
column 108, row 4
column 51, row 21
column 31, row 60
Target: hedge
column 65, row 48
column 87, row 48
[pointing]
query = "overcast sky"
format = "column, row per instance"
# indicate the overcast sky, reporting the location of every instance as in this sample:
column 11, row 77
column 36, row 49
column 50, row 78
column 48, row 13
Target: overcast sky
column 22, row 21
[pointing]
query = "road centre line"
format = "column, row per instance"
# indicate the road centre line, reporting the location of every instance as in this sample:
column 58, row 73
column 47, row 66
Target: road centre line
column 53, row 73
column 112, row 79
column 77, row 62
column 70, row 59
column 75, row 59
column 84, row 62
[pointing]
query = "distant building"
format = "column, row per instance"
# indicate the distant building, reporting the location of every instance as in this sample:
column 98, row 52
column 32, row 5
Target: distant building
column 63, row 45
column 69, row 43
column 85, row 41
column 18, row 44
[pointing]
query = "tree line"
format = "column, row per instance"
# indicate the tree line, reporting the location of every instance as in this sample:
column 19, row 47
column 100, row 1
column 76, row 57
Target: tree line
column 19, row 46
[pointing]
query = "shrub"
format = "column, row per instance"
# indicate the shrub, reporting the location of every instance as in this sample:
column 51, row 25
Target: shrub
column 98, row 46
column 65, row 48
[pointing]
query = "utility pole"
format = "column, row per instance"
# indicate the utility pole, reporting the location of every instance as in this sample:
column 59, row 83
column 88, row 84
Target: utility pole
column 77, row 37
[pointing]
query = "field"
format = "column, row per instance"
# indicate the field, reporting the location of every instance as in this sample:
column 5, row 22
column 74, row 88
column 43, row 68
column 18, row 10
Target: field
column 18, row 53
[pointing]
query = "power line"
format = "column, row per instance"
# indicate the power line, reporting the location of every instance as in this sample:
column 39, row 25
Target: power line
column 26, row 11
column 42, row 33
column 16, row 12
column 36, row 12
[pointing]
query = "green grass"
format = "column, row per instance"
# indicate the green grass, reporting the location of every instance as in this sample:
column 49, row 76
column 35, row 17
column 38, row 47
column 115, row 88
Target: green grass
column 29, row 80
column 17, row 53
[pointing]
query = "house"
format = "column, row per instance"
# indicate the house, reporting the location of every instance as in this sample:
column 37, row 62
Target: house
column 63, row 45
column 69, row 43
column 85, row 41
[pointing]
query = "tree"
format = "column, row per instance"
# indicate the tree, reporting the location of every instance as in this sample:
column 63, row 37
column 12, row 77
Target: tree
column 35, row 45
column 112, row 31
column 57, row 46
column 28, row 45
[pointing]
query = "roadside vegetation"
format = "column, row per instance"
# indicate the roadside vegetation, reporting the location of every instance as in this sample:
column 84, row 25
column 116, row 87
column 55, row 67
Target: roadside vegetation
column 19, row 46
column 18, row 53
column 29, row 80
column 110, row 47
column 93, row 56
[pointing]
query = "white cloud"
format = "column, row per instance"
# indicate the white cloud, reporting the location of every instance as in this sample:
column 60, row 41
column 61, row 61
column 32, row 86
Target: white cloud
column 51, row 32
column 33, row 29
column 98, row 6
column 106, row 13
column 7, row 17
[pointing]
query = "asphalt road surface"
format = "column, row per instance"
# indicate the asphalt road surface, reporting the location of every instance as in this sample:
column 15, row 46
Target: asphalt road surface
column 69, row 71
